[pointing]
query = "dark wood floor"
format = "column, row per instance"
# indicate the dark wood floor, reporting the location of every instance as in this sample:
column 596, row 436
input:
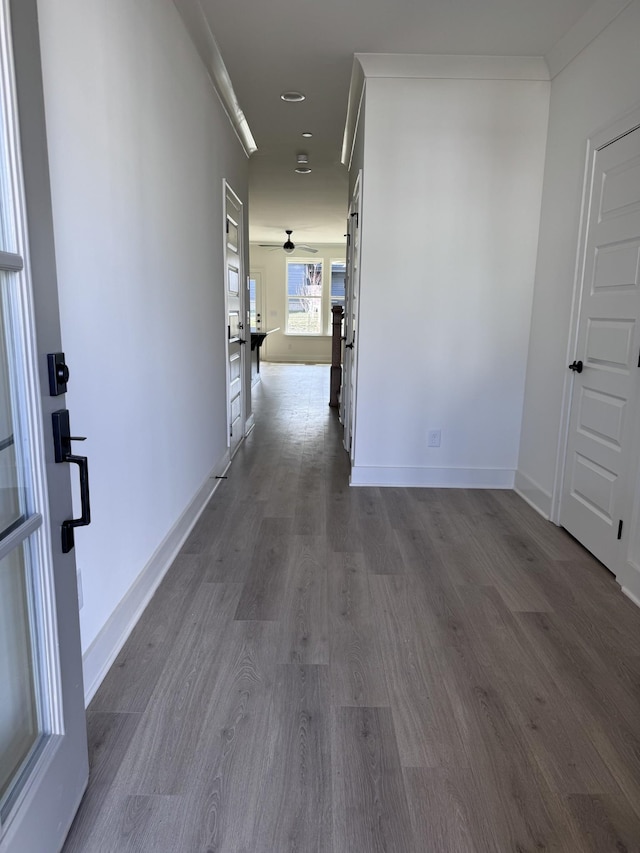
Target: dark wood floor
column 336, row 670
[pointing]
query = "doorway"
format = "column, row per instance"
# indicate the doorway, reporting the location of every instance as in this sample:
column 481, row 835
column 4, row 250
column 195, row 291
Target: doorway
column 601, row 462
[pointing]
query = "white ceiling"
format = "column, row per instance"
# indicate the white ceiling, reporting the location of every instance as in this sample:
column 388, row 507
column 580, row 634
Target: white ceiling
column 270, row 46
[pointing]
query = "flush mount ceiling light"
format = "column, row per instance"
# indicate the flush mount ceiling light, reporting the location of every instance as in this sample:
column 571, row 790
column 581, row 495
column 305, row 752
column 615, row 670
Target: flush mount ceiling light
column 303, row 170
column 292, row 97
column 307, row 134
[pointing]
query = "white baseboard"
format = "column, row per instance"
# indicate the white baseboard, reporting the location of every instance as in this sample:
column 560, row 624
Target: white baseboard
column 249, row 424
column 634, row 596
column 102, row 652
column 537, row 497
column 296, row 359
column 446, row 478
column 630, row 582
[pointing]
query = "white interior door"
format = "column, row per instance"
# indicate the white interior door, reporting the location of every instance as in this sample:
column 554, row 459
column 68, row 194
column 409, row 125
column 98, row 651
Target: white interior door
column 237, row 329
column 352, row 296
column 43, row 751
column 603, row 443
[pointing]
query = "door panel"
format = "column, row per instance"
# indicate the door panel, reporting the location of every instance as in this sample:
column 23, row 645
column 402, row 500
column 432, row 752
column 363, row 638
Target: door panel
column 237, row 331
column 602, row 449
column 43, row 763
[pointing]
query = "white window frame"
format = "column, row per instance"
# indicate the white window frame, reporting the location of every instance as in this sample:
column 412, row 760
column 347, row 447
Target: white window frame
column 320, row 299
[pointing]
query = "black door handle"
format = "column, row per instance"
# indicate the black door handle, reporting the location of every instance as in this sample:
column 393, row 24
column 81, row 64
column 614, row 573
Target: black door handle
column 62, row 439
column 241, row 341
column 68, row 538
column 349, row 346
column 577, row 366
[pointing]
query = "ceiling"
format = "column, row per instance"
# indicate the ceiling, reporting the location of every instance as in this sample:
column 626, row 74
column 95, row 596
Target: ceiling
column 272, row 46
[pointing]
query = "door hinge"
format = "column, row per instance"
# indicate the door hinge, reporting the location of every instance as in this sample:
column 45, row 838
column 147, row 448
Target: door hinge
column 620, row 529
column 357, row 218
column 227, row 226
column 639, row 359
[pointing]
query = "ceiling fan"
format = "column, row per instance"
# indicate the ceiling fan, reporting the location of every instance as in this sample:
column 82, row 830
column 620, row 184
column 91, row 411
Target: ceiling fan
column 288, row 245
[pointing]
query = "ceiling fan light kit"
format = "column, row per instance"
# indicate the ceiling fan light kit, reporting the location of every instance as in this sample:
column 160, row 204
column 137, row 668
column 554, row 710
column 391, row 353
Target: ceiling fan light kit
column 288, row 246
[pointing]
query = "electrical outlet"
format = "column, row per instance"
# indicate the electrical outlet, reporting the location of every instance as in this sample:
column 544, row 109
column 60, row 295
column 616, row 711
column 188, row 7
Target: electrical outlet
column 433, row 438
column 80, row 592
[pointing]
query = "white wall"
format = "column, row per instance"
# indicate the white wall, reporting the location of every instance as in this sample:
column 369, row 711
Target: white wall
column 272, row 266
column 452, row 180
column 600, row 84
column 139, row 146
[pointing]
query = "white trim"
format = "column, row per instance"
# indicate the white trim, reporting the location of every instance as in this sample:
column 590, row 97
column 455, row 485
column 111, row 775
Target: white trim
column 445, row 478
column 533, row 493
column 633, row 594
column 444, row 66
column 102, row 652
column 250, row 423
column 197, row 25
column 596, row 19
column 295, row 359
column 354, row 106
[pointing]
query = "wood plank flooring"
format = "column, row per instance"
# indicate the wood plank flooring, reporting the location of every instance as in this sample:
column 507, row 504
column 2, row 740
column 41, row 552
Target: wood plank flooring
column 336, row 670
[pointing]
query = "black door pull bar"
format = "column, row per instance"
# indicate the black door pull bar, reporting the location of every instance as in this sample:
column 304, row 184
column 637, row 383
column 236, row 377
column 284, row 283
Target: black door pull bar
column 62, row 439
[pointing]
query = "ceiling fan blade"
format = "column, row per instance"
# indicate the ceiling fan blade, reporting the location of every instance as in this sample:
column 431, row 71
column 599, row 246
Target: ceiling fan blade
column 304, row 248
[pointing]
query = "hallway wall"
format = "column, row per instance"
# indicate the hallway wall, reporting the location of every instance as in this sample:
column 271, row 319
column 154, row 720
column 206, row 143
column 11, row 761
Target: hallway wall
column 139, row 146
column 598, row 86
column 594, row 90
column 452, row 179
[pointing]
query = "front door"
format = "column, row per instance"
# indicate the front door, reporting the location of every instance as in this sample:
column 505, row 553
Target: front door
column 237, row 331
column 352, row 294
column 43, row 751
column 603, row 441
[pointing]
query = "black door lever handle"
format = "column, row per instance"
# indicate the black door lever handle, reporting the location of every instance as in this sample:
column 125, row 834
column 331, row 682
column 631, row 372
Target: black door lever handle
column 576, row 366
column 62, row 453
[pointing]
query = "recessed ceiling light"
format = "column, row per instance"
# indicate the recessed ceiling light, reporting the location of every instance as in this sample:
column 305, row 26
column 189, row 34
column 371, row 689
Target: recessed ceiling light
column 307, row 135
column 292, row 97
column 303, row 170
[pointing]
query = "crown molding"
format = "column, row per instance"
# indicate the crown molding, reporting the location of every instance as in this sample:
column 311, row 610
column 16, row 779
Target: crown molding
column 198, row 27
column 430, row 66
column 444, row 66
column 596, row 19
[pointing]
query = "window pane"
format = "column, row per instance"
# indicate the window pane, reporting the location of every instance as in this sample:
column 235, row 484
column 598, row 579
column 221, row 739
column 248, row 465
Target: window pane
column 338, row 273
column 304, row 302
column 19, row 727
column 304, row 316
column 12, row 488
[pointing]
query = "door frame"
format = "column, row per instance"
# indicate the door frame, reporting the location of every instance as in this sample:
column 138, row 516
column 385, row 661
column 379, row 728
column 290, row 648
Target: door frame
column 350, row 377
column 598, row 140
column 228, row 191
column 63, row 755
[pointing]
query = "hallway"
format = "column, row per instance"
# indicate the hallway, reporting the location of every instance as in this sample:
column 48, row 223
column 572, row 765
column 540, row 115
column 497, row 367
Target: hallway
column 336, row 670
